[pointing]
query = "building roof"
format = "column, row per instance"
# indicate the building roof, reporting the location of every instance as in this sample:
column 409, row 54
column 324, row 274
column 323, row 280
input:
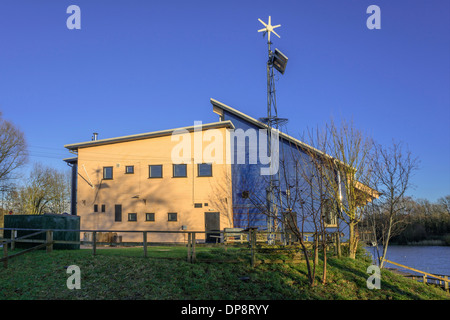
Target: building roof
column 218, row 106
column 154, row 134
column 71, row 160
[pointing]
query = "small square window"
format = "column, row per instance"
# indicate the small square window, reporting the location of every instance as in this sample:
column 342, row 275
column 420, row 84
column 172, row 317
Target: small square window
column 129, row 169
column 155, row 171
column 150, row 216
column 179, row 170
column 107, row 173
column 172, row 216
column 95, row 207
column 204, row 169
column 132, row 217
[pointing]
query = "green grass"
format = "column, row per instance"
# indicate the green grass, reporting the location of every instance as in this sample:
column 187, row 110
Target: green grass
column 125, row 274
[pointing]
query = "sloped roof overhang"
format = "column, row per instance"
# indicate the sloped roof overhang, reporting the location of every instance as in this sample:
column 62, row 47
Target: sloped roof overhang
column 148, row 135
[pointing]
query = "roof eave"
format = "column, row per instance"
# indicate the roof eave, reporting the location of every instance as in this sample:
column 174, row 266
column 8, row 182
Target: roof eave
column 148, row 135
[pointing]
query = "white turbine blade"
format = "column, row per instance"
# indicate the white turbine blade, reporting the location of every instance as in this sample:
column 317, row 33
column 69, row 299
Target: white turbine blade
column 276, row 34
column 269, row 21
column 278, row 25
column 261, row 30
column 262, row 22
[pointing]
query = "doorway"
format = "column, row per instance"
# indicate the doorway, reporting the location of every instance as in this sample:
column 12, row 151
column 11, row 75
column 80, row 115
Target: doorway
column 212, row 223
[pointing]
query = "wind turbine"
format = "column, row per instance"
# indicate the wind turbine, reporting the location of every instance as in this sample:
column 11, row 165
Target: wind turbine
column 268, row 29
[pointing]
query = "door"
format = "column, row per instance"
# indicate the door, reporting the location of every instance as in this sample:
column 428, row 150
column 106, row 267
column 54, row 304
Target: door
column 212, row 223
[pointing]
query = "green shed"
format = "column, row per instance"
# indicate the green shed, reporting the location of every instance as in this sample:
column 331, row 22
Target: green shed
column 44, row 221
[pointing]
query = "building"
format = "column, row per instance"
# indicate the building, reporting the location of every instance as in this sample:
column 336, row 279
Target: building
column 196, row 178
column 131, row 183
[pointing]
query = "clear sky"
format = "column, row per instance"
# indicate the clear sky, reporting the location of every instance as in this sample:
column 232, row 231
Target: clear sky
column 137, row 66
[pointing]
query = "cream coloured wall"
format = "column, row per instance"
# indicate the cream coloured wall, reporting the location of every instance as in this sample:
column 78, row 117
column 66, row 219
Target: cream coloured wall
column 137, row 193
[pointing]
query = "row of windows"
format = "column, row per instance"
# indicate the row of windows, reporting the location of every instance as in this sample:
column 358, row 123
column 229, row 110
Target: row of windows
column 156, row 171
column 150, row 216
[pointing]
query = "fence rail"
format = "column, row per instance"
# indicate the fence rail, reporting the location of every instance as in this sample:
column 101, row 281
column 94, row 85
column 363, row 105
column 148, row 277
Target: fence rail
column 425, row 275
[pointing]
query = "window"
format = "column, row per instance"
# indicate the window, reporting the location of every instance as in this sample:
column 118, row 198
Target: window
column 103, row 208
column 107, row 173
column 132, row 217
column 198, row 205
column 329, row 213
column 155, row 171
column 179, row 171
column 129, row 169
column 172, row 216
column 150, row 216
column 95, row 207
column 118, row 212
column 204, row 169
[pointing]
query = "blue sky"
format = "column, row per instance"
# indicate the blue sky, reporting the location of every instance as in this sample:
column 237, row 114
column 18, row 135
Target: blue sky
column 139, row 66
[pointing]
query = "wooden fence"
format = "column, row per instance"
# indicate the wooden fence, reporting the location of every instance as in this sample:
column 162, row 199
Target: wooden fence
column 427, row 278
column 48, row 243
column 251, row 237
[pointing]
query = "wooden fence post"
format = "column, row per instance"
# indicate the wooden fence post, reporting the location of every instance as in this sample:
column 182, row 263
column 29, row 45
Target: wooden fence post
column 13, row 244
column 5, row 254
column 425, row 281
column 189, row 247
column 145, row 243
column 446, row 284
column 193, row 248
column 94, row 243
column 252, row 236
column 49, row 241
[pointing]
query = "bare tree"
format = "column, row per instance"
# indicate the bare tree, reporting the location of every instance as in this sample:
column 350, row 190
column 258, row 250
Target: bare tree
column 294, row 206
column 60, row 189
column 444, row 202
column 393, row 168
column 13, row 149
column 46, row 190
column 343, row 155
column 350, row 150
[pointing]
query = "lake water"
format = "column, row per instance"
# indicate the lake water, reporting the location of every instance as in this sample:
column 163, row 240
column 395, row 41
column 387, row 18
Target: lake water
column 431, row 259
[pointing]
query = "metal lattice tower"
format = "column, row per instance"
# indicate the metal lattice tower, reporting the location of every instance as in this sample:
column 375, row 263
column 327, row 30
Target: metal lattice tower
column 273, row 123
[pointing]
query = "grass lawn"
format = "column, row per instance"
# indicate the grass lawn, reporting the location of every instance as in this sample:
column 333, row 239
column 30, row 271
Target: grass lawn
column 123, row 273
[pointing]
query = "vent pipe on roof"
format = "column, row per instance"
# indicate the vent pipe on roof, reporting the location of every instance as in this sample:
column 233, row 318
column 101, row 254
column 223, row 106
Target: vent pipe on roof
column 95, row 136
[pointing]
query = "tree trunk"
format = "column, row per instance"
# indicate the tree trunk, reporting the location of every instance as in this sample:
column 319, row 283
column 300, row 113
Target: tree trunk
column 385, row 244
column 324, row 275
column 353, row 240
column 311, row 271
column 316, row 249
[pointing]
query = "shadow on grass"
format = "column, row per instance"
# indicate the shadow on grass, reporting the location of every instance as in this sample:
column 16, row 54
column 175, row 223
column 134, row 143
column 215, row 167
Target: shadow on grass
column 351, row 272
